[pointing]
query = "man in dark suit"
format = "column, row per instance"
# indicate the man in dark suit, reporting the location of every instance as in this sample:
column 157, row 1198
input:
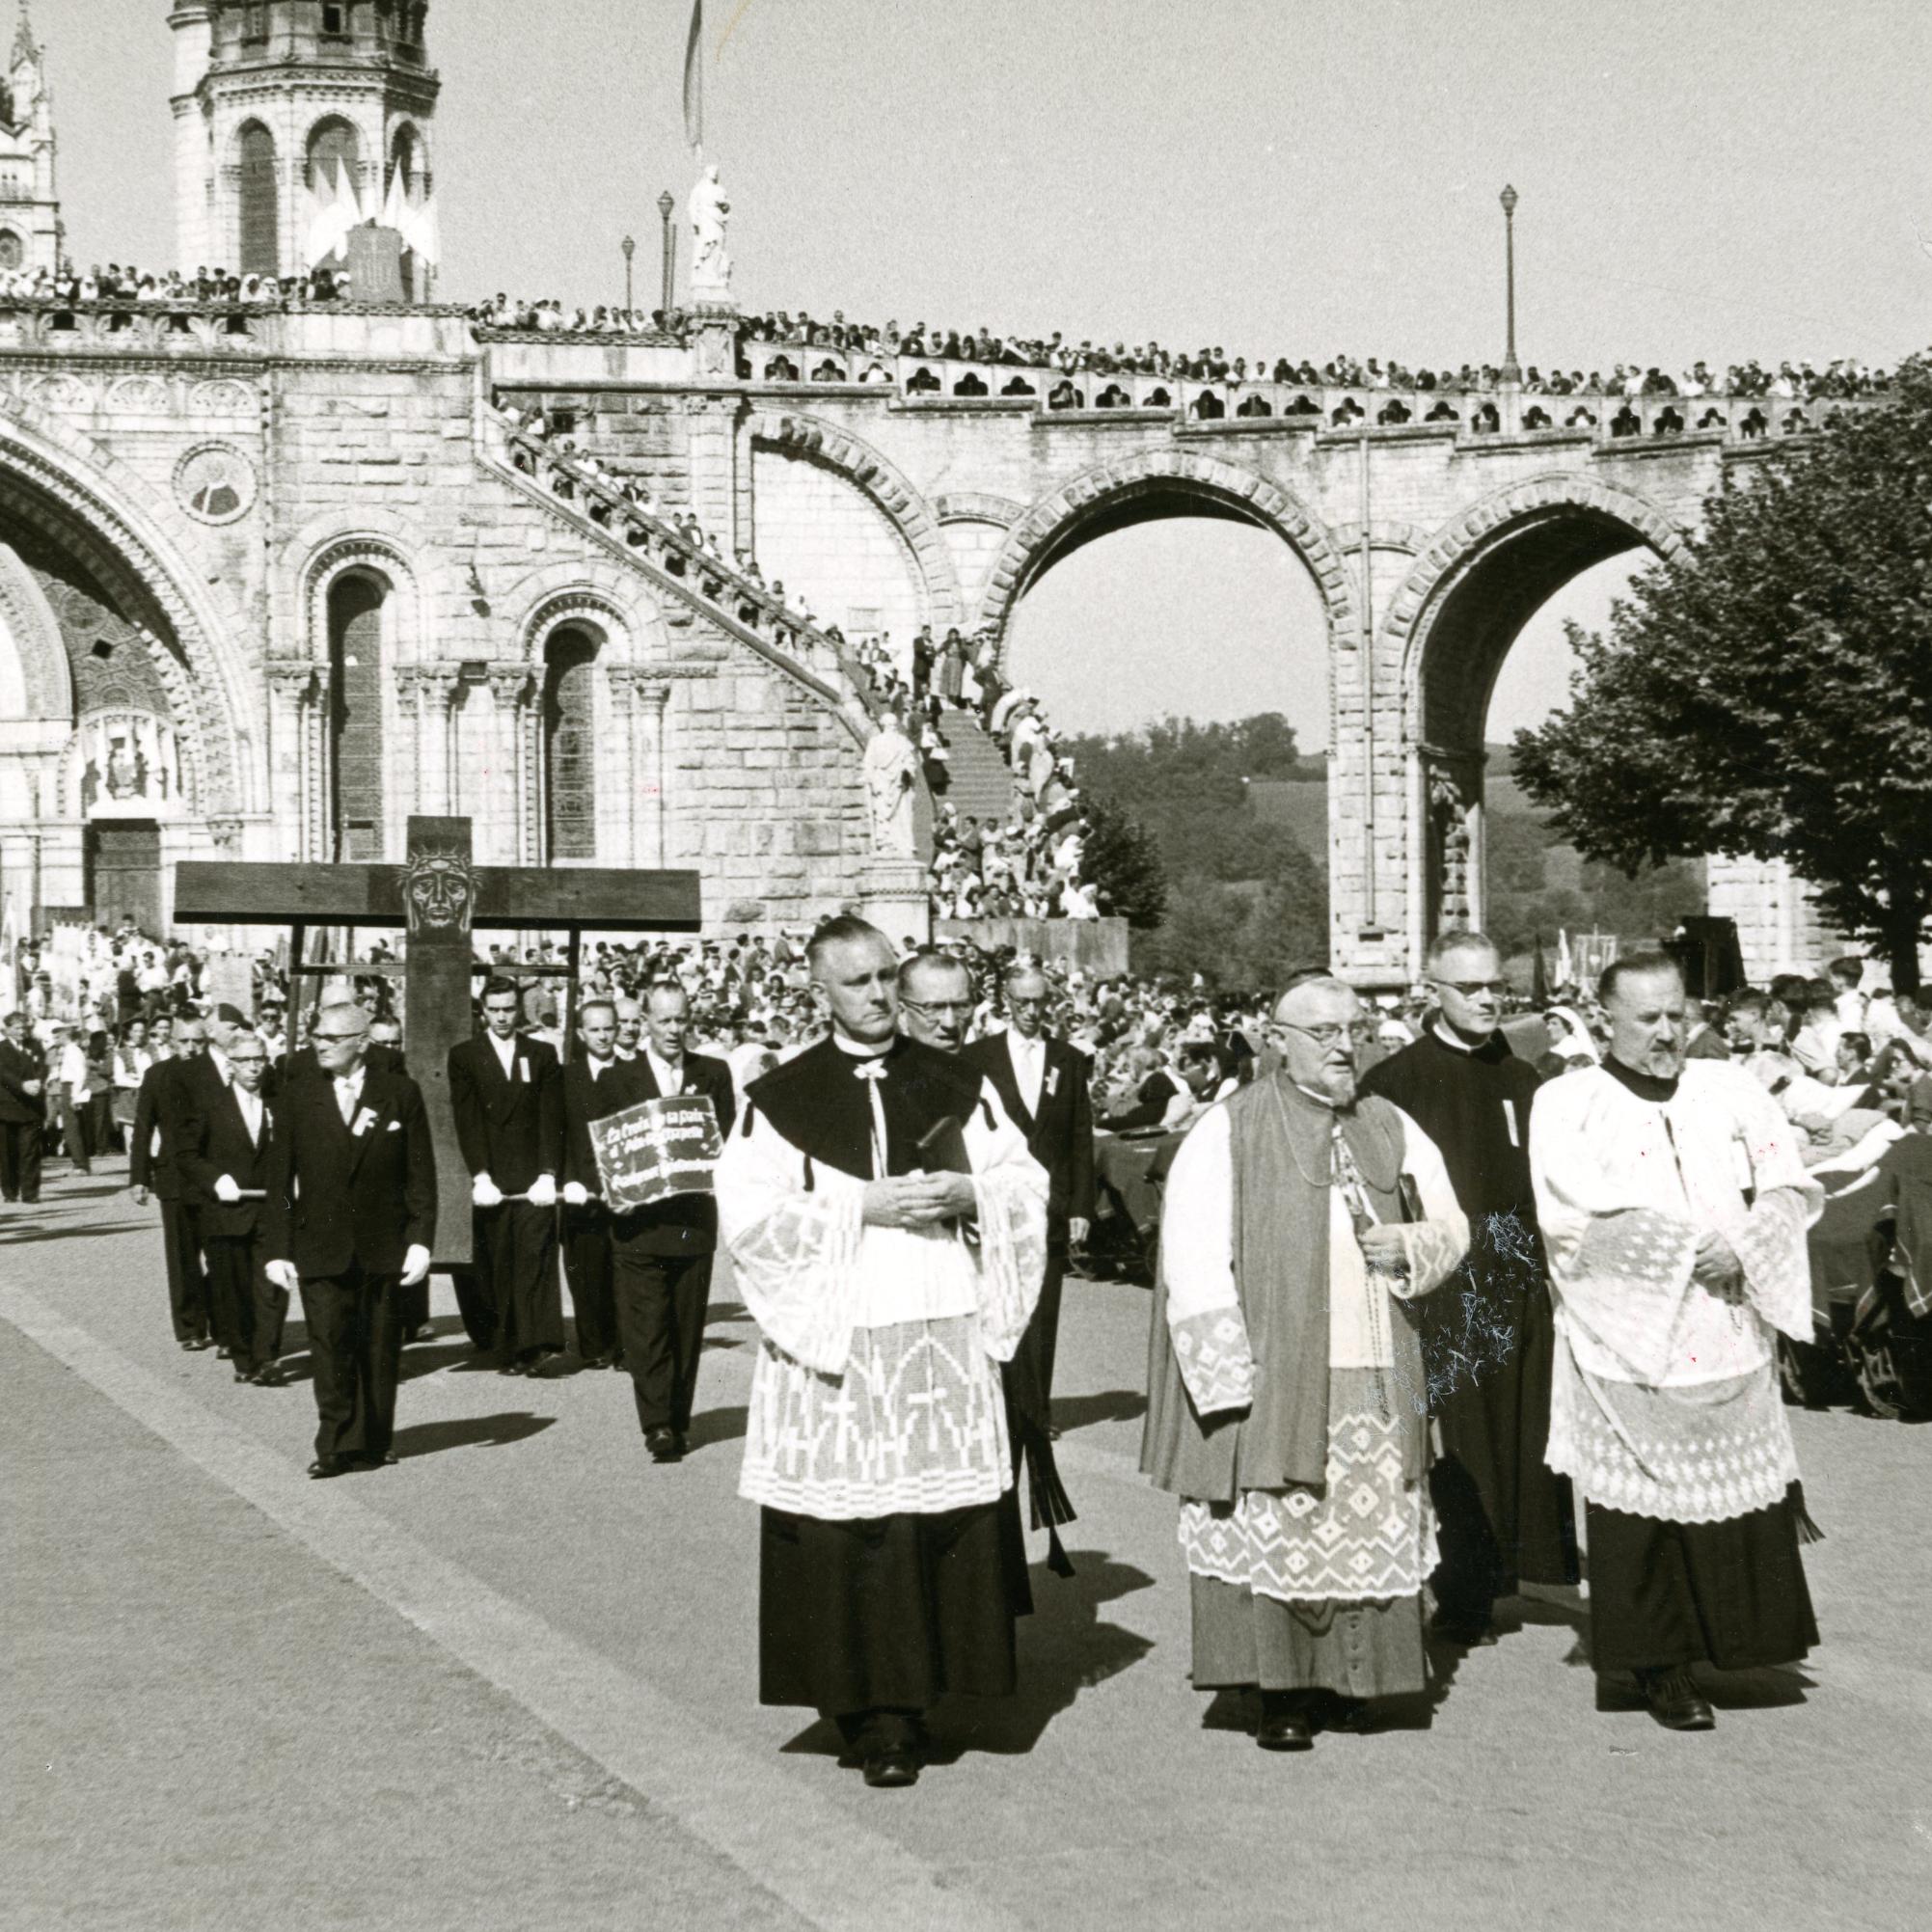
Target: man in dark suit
column 160, row 1106
column 350, row 1220
column 594, row 1084
column 223, row 1164
column 506, row 1094
column 1043, row 1084
column 23, row 1110
column 661, row 1256
column 303, row 1065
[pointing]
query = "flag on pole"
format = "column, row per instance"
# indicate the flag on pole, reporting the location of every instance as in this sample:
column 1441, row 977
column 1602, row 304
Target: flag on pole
column 693, row 79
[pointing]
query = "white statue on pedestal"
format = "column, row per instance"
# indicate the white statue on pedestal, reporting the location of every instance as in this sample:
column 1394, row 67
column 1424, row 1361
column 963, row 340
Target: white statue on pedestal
column 709, row 210
column 892, row 774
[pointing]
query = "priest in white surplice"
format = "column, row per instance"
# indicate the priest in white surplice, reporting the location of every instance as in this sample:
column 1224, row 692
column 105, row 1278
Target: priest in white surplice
column 889, row 1285
column 1286, row 1399
column 1674, row 1202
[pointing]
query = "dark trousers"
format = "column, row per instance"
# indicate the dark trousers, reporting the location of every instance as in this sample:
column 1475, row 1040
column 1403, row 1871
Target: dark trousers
column 588, row 1270
column 515, row 1266
column 97, row 1121
column 355, row 1343
column 248, row 1308
column 661, row 1305
column 187, row 1283
column 472, row 1304
column 73, row 1132
column 20, row 1159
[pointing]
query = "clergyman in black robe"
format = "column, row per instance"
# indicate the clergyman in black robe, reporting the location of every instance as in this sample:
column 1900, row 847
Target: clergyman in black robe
column 1504, row 1517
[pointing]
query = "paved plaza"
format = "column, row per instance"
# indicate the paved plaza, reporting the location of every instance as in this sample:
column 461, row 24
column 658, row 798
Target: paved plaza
column 510, row 1683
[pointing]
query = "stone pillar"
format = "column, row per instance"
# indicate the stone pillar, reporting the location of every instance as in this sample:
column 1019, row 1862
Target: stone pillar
column 439, row 781
column 640, row 701
column 712, row 438
column 508, row 761
column 293, row 741
column 893, row 897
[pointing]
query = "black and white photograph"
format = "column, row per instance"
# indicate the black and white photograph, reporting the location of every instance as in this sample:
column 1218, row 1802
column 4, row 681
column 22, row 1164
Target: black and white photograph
column 965, row 967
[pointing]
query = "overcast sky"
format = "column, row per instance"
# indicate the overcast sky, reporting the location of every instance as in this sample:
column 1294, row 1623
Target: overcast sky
column 1727, row 178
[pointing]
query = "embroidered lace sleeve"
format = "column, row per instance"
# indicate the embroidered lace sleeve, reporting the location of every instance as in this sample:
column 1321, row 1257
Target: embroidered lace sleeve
column 1434, row 1246
column 1197, row 1257
column 796, row 1253
column 1011, row 1187
column 1777, row 1262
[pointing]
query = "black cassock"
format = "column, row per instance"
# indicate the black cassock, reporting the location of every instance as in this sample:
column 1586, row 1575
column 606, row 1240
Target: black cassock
column 1503, row 1515
column 885, row 1613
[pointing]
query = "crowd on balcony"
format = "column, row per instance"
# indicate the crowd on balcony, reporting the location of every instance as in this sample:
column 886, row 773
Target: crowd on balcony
column 783, row 330
column 548, row 317
column 205, row 288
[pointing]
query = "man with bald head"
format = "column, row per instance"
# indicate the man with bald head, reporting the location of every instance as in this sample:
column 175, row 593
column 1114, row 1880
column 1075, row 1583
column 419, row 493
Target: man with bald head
column 350, row 1221
column 1503, row 1515
column 1674, row 1200
column 887, row 1285
column 1287, row 1401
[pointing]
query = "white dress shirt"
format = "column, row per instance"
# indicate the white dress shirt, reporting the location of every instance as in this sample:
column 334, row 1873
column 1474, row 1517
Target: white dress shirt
column 1029, row 1064
column 253, row 1111
column 349, row 1094
column 506, row 1054
column 669, row 1078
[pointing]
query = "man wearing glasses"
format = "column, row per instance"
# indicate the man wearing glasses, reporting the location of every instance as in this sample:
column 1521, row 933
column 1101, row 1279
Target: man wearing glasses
column 1503, row 1515
column 224, row 1159
column 350, row 1221
column 1286, row 1407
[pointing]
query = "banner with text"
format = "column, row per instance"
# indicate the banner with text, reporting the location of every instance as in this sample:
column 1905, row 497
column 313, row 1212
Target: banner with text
column 656, row 1149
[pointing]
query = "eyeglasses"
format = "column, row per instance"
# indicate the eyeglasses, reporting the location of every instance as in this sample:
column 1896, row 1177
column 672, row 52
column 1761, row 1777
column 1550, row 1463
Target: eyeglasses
column 1470, row 988
column 938, row 1005
column 1329, row 1032
column 335, row 1039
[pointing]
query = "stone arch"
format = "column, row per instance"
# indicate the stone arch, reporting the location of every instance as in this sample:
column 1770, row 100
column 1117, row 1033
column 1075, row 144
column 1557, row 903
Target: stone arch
column 46, row 677
column 1466, row 598
column 543, row 601
column 1061, row 519
column 374, row 553
column 1525, row 541
column 82, row 498
column 407, row 137
column 977, row 506
column 810, row 439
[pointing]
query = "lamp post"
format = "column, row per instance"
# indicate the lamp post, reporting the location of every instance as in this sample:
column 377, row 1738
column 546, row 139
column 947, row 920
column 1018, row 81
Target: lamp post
column 630, row 293
column 1513, row 370
column 665, row 207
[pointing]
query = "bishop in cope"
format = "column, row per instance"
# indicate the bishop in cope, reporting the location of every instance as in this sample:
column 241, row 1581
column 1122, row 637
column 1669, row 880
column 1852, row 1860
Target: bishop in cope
column 889, row 1286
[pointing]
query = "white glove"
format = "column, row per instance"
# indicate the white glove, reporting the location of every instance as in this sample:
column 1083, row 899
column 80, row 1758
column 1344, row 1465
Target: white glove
column 226, row 1191
column 416, row 1263
column 283, row 1274
column 575, row 1194
column 485, row 1192
column 543, row 1191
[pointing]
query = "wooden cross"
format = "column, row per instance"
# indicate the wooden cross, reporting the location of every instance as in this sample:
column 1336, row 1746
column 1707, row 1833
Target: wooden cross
column 440, row 898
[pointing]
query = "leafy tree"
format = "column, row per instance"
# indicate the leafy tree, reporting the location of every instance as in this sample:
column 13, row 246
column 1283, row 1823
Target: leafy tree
column 1768, row 690
column 1123, row 859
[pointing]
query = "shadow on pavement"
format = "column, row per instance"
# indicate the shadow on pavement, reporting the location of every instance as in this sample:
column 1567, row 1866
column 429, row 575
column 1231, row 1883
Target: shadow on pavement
column 1071, row 1412
column 727, row 1425
column 12, row 1235
column 422, row 1358
column 482, row 1431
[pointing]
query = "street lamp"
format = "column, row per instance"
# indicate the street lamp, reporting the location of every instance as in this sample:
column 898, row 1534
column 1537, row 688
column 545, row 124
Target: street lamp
column 1513, row 370
column 630, row 293
column 665, row 207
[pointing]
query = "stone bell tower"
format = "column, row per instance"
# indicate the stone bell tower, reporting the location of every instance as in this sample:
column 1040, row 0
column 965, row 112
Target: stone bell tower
column 31, row 236
column 298, row 123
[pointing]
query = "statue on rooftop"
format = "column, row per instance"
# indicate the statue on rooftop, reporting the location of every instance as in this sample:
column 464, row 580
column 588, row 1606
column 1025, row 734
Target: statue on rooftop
column 709, row 210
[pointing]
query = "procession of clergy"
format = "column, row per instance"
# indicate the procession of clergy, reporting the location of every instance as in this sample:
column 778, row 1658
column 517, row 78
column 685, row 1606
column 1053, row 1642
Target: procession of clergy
column 1400, row 1324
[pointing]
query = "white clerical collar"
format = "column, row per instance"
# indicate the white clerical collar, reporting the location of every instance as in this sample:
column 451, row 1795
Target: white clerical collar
column 1449, row 1037
column 861, row 1049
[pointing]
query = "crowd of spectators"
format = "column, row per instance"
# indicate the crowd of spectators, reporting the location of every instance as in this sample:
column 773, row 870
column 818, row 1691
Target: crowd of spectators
column 547, row 316
column 205, row 288
column 1801, row 380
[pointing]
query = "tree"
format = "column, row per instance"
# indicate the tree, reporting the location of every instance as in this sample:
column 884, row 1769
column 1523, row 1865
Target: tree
column 1123, row 860
column 1767, row 692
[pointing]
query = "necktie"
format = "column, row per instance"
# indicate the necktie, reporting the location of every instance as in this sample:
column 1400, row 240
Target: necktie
column 345, row 1099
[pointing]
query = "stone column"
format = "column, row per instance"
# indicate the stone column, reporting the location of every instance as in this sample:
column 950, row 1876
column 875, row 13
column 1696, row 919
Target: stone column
column 293, row 743
column 509, row 760
column 712, row 436
column 640, row 700
column 438, row 782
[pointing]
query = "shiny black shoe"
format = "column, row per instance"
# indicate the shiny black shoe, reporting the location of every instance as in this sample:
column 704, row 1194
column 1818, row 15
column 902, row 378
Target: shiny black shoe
column 1674, row 1701
column 891, row 1767
column 664, row 1445
column 1285, row 1724
column 269, row 1376
column 325, row 1466
column 195, row 1344
column 242, row 1372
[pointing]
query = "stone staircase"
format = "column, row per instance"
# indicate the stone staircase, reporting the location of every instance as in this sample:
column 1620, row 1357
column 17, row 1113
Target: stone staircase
column 982, row 786
column 600, row 513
